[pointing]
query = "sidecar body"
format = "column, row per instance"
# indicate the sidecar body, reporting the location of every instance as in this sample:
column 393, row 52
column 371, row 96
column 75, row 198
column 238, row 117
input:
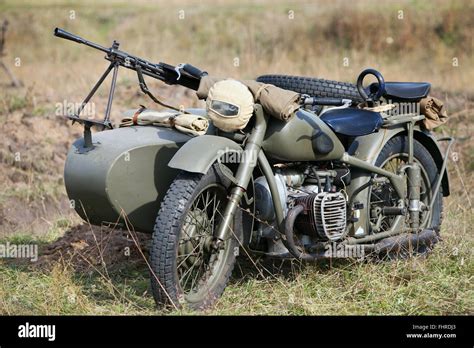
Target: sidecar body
column 124, row 176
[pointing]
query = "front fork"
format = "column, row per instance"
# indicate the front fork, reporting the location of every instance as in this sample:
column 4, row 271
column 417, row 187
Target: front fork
column 248, row 162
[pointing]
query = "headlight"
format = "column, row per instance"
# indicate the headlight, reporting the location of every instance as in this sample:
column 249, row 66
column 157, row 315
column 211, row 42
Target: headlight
column 224, row 109
column 229, row 105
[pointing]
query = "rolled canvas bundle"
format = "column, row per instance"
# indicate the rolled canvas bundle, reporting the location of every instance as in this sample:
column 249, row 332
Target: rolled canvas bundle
column 186, row 123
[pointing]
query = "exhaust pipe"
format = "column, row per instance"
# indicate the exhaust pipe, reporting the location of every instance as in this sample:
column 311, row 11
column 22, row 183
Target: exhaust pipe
column 427, row 237
column 289, row 241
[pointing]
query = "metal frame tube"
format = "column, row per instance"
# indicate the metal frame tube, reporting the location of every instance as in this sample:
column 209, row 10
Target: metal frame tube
column 272, row 185
column 377, row 236
column 397, row 181
column 414, row 186
column 411, row 144
column 94, row 89
column 111, row 94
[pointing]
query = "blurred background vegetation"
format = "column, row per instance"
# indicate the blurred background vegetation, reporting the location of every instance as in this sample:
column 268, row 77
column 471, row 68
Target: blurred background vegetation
column 406, row 40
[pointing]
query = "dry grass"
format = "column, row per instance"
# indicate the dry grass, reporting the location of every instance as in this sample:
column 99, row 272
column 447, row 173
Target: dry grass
column 421, row 46
column 437, row 285
column 264, row 38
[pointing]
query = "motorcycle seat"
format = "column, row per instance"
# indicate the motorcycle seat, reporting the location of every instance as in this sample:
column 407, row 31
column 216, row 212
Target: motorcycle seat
column 404, row 91
column 352, row 122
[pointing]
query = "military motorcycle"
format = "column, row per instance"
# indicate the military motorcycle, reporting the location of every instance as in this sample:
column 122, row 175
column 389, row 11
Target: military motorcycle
column 288, row 168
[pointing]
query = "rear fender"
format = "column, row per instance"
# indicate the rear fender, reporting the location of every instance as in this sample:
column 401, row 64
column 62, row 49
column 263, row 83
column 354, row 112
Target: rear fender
column 368, row 148
column 431, row 144
column 199, row 153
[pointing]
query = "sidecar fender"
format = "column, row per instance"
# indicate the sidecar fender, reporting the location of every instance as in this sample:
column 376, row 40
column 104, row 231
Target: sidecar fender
column 198, row 154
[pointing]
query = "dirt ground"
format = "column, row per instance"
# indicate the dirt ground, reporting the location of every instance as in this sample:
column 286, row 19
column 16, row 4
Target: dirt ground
column 86, row 248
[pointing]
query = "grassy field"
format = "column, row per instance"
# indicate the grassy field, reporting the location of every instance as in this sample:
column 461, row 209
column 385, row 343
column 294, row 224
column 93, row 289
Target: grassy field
column 83, row 270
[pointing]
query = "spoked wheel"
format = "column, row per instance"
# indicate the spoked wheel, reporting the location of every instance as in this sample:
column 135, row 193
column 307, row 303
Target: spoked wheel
column 392, row 157
column 384, row 195
column 197, row 259
column 188, row 268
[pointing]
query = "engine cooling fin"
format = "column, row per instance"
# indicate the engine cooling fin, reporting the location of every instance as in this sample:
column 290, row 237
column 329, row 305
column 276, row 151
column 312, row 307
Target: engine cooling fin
column 324, row 215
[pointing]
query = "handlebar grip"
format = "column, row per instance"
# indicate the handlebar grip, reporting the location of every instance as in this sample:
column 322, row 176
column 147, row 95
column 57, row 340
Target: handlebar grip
column 63, row 34
column 325, row 101
column 193, row 71
column 329, row 101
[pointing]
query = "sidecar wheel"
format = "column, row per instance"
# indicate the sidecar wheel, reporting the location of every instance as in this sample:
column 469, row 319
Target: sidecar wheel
column 187, row 271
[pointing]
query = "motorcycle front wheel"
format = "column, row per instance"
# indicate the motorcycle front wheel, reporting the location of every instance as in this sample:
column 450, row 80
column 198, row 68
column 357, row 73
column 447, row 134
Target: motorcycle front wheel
column 187, row 270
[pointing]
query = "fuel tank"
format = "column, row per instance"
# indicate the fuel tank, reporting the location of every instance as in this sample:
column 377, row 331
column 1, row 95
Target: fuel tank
column 126, row 171
column 304, row 138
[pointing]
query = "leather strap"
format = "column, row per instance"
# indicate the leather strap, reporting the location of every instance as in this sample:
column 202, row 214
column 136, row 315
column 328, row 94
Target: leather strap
column 135, row 115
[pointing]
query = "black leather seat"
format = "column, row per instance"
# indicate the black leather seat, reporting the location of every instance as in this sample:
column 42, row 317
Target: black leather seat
column 352, row 122
column 404, row 91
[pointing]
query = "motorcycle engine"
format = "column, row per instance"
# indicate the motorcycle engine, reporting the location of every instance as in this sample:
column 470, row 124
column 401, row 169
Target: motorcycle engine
column 324, row 215
column 325, row 206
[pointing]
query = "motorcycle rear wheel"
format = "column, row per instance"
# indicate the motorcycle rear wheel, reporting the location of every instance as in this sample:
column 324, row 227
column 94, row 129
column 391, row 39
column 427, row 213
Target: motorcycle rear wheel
column 393, row 155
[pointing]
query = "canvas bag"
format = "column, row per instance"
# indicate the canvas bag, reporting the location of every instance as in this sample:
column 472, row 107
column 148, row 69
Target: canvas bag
column 434, row 111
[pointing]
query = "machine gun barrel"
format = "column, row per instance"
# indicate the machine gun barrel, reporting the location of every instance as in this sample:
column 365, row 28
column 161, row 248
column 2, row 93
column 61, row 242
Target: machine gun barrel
column 63, row 34
column 160, row 71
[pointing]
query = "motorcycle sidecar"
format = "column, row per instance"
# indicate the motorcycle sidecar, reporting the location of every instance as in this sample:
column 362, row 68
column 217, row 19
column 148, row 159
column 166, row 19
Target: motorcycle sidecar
column 125, row 172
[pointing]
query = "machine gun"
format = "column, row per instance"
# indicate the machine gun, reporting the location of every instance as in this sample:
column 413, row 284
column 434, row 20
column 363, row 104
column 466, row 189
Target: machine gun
column 182, row 74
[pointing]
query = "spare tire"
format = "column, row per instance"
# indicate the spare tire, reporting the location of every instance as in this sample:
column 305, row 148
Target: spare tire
column 313, row 86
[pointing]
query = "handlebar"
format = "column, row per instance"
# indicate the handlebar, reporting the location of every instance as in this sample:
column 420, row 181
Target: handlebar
column 326, row 101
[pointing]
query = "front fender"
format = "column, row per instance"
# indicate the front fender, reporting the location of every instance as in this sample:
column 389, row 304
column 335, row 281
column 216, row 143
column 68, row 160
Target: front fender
column 198, row 154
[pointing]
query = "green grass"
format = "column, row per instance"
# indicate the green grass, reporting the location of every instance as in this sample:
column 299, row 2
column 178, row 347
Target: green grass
column 35, row 192
column 438, row 284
